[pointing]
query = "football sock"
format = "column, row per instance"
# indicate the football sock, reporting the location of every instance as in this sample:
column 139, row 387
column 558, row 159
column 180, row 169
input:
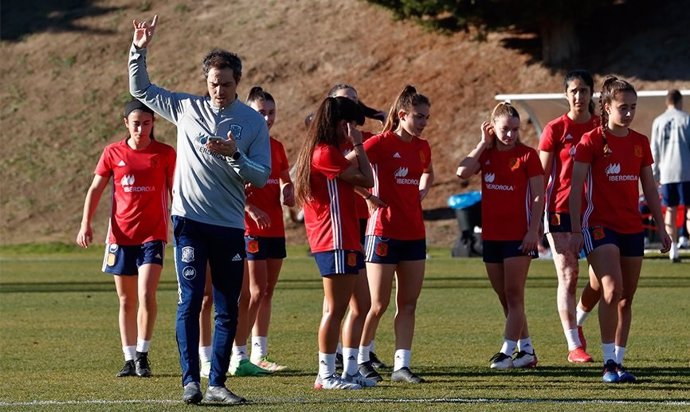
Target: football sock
column 581, row 315
column 259, row 347
column 609, row 351
column 363, row 355
column 350, row 360
column 326, row 364
column 620, row 354
column 525, row 345
column 402, row 359
column 573, row 339
column 239, row 352
column 130, row 352
column 508, row 347
column 205, row 353
column 143, row 345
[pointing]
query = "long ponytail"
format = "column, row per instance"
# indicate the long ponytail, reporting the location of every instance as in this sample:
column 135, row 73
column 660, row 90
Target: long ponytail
column 406, row 100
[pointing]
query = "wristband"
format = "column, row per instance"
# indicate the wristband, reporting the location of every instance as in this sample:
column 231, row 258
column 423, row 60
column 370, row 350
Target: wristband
column 369, row 196
column 358, row 144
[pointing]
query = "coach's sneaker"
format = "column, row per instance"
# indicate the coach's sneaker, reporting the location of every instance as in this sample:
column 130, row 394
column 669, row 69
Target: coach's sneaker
column 404, row 374
column 367, row 370
column 501, row 361
column 624, row 376
column 359, row 380
column 221, row 394
column 610, row 372
column 128, row 370
column 334, row 382
column 581, row 335
column 142, row 367
column 192, row 393
column 524, row 359
column 376, row 362
column 269, row 365
column 246, row 368
column 205, row 369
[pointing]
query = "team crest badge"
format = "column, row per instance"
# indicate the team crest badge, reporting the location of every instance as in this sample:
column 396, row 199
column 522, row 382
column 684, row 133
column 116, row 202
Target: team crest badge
column 638, row 151
column 112, row 258
column 253, row 246
column 382, row 249
column 352, row 259
column 556, row 219
column 514, row 164
column 598, row 233
column 187, row 254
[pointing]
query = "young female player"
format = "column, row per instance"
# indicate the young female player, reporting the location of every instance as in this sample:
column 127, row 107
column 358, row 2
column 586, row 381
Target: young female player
column 556, row 151
column 142, row 172
column 361, row 299
column 265, row 245
column 396, row 238
column 614, row 159
column 325, row 187
column 511, row 176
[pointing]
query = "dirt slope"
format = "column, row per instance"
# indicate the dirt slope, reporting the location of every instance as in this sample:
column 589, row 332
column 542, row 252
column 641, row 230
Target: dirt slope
column 63, row 75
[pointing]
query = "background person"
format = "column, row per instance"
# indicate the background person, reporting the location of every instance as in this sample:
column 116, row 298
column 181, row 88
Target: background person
column 222, row 144
column 671, row 153
column 556, row 152
column 142, row 172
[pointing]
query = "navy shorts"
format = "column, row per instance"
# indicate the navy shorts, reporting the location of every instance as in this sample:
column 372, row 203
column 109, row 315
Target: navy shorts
column 495, row 251
column 125, row 260
column 380, row 249
column 339, row 262
column 674, row 194
column 630, row 245
column 558, row 222
column 262, row 248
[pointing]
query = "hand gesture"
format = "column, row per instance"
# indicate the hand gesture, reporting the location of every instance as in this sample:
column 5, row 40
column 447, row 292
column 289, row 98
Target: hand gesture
column 354, row 135
column 529, row 242
column 665, row 242
column 143, row 32
column 375, row 203
column 259, row 216
column 288, row 194
column 488, row 135
column 225, row 147
column 85, row 236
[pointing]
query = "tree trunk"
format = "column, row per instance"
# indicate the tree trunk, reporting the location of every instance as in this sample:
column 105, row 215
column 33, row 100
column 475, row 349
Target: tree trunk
column 559, row 41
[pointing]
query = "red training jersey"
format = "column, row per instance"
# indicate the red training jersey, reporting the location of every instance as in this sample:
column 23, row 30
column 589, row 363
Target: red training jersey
column 397, row 167
column 329, row 215
column 506, row 198
column 612, row 190
column 560, row 136
column 267, row 198
column 141, row 183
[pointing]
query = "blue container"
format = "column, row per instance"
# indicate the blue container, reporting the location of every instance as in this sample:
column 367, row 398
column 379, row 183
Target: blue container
column 464, row 200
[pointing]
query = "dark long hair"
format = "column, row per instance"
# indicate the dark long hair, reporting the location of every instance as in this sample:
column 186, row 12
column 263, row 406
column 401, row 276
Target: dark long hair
column 586, row 77
column 323, row 130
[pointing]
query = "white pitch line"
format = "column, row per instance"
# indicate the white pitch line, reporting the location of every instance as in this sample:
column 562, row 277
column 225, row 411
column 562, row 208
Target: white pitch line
column 368, row 400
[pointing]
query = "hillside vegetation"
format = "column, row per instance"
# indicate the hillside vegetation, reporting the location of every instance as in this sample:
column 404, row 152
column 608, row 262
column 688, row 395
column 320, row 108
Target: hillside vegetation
column 64, row 80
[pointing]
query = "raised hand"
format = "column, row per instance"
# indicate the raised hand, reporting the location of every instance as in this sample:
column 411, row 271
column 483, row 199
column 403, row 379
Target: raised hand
column 143, row 32
column 353, row 134
column 488, row 135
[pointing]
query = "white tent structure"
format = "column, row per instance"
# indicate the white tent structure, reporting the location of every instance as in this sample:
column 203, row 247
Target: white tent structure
column 541, row 108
